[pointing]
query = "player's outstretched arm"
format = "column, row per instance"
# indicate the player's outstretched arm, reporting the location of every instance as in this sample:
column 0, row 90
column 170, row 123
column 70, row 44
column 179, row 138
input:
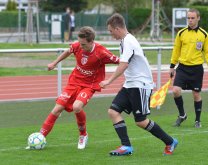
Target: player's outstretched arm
column 119, row 71
column 64, row 55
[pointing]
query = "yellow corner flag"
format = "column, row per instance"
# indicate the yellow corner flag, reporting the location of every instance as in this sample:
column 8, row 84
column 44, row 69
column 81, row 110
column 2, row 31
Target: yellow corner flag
column 159, row 96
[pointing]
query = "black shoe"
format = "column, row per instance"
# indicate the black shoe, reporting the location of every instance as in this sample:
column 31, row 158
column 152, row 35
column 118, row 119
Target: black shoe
column 180, row 120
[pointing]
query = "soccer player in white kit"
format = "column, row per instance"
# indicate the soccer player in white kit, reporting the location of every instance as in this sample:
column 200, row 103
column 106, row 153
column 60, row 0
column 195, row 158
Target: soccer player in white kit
column 134, row 96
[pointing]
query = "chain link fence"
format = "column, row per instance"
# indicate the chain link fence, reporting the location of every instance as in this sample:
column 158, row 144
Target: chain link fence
column 13, row 27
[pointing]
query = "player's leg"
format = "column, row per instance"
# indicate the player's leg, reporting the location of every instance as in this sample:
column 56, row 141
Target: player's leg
column 49, row 122
column 51, row 119
column 179, row 103
column 140, row 107
column 84, row 95
column 157, row 131
column 179, row 84
column 198, row 108
column 81, row 123
column 121, row 130
column 196, row 85
column 80, row 117
column 117, row 106
column 62, row 102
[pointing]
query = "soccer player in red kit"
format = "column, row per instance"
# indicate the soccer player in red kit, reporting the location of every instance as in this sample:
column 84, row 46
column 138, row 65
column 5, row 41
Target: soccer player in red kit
column 84, row 80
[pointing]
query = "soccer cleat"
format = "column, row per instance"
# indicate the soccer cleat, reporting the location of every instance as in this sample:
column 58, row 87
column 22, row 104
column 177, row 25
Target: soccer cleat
column 82, row 141
column 122, row 150
column 198, row 124
column 170, row 148
column 180, row 120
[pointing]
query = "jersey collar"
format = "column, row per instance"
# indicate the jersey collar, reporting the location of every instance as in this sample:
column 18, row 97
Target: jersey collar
column 195, row 29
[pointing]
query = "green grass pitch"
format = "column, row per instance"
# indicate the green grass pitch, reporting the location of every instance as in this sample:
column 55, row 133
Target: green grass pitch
column 19, row 119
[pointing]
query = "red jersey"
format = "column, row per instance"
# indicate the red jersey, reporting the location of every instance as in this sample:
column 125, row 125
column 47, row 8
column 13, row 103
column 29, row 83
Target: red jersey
column 90, row 66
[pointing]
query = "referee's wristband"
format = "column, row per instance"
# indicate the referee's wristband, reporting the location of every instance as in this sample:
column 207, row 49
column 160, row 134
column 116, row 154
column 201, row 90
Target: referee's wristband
column 172, row 65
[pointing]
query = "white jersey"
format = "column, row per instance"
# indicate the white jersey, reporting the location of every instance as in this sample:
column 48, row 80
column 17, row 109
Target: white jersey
column 138, row 74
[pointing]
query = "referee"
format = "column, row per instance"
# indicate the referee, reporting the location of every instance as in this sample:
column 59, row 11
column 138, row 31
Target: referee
column 190, row 50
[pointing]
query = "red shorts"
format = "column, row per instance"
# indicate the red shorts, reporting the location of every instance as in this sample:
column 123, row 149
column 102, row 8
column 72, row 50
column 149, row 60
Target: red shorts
column 72, row 93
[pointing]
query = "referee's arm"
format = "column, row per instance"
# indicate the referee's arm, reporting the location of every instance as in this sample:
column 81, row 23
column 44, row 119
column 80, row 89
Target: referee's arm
column 176, row 52
column 206, row 49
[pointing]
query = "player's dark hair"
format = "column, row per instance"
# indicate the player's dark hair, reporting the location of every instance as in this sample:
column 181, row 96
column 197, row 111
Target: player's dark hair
column 116, row 20
column 87, row 32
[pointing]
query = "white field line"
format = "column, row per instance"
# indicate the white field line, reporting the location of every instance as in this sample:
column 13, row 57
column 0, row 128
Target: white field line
column 23, row 85
column 26, row 93
column 33, row 88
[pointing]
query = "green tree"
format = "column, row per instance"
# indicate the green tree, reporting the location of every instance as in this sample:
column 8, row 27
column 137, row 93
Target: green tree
column 61, row 5
column 11, row 5
column 121, row 5
column 169, row 5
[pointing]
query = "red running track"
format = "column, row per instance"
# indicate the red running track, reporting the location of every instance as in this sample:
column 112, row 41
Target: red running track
column 45, row 87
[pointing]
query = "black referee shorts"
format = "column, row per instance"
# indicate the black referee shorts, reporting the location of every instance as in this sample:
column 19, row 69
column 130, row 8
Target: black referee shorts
column 135, row 100
column 189, row 77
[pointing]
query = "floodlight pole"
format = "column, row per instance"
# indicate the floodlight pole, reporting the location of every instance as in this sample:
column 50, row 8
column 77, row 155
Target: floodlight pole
column 32, row 4
column 155, row 21
column 29, row 28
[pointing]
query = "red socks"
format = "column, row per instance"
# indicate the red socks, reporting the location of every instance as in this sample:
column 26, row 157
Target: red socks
column 81, row 122
column 48, row 124
column 51, row 119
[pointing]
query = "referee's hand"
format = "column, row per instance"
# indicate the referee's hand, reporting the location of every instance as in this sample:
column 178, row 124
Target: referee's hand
column 172, row 72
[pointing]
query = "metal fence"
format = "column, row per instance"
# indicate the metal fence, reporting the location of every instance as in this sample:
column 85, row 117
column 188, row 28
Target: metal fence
column 60, row 50
column 50, row 26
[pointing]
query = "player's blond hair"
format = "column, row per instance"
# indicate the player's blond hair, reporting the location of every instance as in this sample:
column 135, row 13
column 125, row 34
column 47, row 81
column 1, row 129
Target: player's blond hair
column 194, row 11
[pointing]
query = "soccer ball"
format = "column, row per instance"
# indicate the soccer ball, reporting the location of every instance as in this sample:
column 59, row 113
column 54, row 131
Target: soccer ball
column 36, row 141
